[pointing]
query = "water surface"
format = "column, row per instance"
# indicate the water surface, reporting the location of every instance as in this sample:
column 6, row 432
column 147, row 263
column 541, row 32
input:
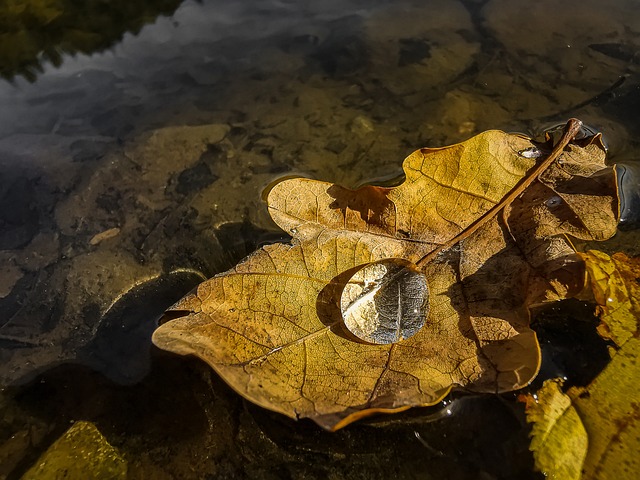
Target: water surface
column 135, row 143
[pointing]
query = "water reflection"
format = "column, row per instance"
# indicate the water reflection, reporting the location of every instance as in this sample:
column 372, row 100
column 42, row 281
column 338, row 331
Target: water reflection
column 33, row 34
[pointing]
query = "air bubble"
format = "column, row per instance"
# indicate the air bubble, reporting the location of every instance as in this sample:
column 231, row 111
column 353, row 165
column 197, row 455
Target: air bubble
column 531, row 152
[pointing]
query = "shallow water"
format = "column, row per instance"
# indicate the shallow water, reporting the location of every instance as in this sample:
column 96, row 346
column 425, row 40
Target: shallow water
column 131, row 173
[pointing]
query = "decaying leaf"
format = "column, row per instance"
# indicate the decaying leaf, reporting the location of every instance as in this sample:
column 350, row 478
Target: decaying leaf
column 481, row 221
column 609, row 408
column 610, row 411
column 614, row 284
column 558, row 438
column 610, row 405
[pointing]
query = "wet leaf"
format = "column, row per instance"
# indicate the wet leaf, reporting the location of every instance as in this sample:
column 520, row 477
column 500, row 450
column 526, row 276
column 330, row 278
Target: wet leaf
column 483, row 227
column 610, row 406
column 608, row 409
column 558, row 438
column 613, row 280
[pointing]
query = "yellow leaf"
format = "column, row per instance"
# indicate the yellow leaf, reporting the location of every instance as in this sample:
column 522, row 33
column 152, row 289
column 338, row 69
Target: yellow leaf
column 558, row 438
column 609, row 407
column 613, row 281
column 481, row 221
column 610, row 411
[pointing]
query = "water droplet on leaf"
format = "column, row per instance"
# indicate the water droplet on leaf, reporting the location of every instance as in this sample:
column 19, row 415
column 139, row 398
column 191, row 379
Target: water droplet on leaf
column 553, row 202
column 531, row 152
column 386, row 301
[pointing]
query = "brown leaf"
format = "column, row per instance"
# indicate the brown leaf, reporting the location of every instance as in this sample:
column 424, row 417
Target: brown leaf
column 272, row 327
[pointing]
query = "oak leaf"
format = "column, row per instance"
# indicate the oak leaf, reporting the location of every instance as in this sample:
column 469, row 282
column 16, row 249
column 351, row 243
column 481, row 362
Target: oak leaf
column 483, row 221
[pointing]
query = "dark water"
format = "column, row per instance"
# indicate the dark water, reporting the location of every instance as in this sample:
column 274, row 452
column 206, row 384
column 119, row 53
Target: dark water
column 135, row 141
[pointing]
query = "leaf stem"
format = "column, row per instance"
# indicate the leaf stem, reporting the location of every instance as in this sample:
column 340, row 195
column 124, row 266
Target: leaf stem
column 571, row 129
